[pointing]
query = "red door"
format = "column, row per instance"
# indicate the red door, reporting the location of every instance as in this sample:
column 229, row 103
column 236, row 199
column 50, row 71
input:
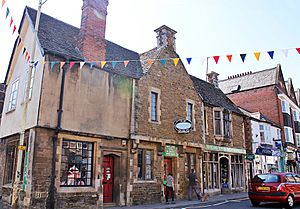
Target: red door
column 108, row 179
column 167, row 170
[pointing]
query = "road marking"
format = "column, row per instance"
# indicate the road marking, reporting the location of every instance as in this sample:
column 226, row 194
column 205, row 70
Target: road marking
column 216, row 204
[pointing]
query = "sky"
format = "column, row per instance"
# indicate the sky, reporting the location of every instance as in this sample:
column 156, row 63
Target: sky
column 205, row 28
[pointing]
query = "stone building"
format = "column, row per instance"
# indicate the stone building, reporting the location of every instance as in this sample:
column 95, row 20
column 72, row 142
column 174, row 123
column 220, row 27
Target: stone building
column 279, row 104
column 164, row 96
column 224, row 145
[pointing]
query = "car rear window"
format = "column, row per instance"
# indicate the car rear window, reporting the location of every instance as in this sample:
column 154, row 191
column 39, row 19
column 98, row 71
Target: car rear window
column 266, row 178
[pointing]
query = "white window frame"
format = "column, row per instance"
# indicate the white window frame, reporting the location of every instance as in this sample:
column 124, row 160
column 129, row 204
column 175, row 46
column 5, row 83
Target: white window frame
column 295, row 115
column 262, row 133
column 298, row 139
column 288, row 134
column 158, row 104
column 285, row 107
column 31, row 84
column 192, row 103
column 13, row 96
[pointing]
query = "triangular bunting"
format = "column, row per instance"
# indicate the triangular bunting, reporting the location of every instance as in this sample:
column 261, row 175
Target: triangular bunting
column 28, row 58
column 163, row 62
column 15, row 27
column 126, row 63
column 81, row 65
column 3, row 2
column 7, row 12
column 62, row 64
column 26, row 54
column 216, row 58
column 202, row 60
column 103, row 64
column 298, row 50
column 92, row 64
column 24, row 50
column 71, row 64
column 175, row 60
column 271, row 54
column 243, row 56
column 21, row 45
column 52, row 65
column 189, row 60
column 150, row 62
column 257, row 55
column 229, row 57
column 11, row 22
column 113, row 64
column 19, row 41
column 36, row 63
column 285, row 52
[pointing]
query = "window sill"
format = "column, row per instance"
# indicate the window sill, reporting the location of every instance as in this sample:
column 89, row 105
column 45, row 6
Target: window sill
column 154, row 122
column 144, row 181
column 76, row 189
column 222, row 138
column 10, row 111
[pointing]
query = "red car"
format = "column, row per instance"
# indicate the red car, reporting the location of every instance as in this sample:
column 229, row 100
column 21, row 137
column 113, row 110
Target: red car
column 275, row 187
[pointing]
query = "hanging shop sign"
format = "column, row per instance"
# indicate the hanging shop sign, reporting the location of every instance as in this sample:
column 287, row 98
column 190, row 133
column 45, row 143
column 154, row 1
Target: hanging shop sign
column 250, row 157
column 263, row 151
column 183, row 126
column 224, row 149
column 171, row 151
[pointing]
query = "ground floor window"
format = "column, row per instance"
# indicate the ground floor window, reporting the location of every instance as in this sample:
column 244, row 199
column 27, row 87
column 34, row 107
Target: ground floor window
column 76, row 163
column 210, row 171
column 10, row 165
column 237, row 171
column 145, row 164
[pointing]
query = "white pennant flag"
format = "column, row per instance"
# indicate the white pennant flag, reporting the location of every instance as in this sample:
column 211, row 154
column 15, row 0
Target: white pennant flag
column 202, row 59
column 285, row 52
column 81, row 64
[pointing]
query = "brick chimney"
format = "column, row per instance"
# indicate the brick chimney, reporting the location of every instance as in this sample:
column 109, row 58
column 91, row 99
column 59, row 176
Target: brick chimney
column 212, row 78
column 91, row 38
column 165, row 37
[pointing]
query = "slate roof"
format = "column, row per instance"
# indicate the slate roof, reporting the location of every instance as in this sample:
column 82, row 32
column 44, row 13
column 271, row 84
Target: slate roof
column 214, row 96
column 251, row 81
column 59, row 38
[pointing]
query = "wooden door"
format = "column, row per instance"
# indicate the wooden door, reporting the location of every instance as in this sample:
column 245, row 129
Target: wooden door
column 108, row 179
column 167, row 169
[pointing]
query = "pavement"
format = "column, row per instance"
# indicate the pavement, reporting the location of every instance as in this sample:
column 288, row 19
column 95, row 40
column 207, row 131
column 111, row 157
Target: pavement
column 185, row 203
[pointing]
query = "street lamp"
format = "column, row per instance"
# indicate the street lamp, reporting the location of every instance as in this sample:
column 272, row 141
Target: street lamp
column 16, row 186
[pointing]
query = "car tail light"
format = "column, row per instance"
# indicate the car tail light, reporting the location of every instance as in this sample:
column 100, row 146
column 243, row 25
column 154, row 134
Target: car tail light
column 281, row 187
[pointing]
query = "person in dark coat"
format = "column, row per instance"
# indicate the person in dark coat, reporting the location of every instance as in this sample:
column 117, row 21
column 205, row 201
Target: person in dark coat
column 193, row 185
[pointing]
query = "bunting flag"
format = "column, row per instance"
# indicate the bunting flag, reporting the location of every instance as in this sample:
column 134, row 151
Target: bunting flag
column 92, row 64
column 24, row 50
column 62, row 64
column 103, row 64
column 52, row 65
column 28, row 58
column 71, row 65
column 285, row 52
column 15, row 28
column 36, row 63
column 11, row 22
column 202, row 60
column 163, row 62
column 271, row 54
column 19, row 41
column 243, row 56
column 176, row 60
column 81, row 64
column 126, row 63
column 26, row 54
column 257, row 55
column 150, row 61
column 216, row 58
column 298, row 50
column 7, row 13
column 3, row 2
column 189, row 60
column 229, row 57
column 113, row 63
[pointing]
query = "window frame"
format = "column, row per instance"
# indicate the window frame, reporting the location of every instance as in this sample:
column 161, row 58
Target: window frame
column 143, row 164
column 222, row 122
column 158, row 105
column 153, row 106
column 288, row 133
column 13, row 96
column 285, row 107
column 211, row 180
column 31, row 84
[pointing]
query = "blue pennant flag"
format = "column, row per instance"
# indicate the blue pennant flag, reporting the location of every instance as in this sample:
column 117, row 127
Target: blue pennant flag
column 92, row 64
column 7, row 12
column 36, row 63
column 113, row 63
column 243, row 56
column 163, row 62
column 52, row 65
column 271, row 54
column 189, row 60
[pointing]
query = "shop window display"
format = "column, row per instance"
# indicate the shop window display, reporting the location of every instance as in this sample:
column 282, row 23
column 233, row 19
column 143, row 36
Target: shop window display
column 76, row 163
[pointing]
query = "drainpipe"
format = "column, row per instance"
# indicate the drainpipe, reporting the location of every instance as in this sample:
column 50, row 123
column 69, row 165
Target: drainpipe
column 50, row 203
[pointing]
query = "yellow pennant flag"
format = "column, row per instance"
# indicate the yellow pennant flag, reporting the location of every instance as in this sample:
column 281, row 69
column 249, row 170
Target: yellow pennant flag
column 175, row 60
column 257, row 55
column 103, row 63
column 62, row 64
column 3, row 2
column 126, row 63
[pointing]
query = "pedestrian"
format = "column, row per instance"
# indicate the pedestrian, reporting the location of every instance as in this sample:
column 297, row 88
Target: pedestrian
column 170, row 188
column 193, row 185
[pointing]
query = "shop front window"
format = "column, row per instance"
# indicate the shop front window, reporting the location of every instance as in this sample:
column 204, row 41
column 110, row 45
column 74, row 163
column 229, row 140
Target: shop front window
column 11, row 156
column 210, row 170
column 237, row 171
column 144, row 164
column 76, row 163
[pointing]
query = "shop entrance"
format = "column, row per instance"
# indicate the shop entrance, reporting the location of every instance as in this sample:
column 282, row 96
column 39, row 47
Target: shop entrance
column 167, row 169
column 108, row 179
column 224, row 174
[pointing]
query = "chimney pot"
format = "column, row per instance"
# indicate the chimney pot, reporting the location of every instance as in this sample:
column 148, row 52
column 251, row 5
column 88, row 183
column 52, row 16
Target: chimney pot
column 212, row 78
column 165, row 37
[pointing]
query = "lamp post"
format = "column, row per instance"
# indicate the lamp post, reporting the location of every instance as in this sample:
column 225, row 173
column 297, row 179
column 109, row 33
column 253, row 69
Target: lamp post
column 16, row 185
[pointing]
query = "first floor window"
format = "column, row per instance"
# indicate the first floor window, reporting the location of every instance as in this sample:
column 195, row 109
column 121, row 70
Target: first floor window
column 154, row 97
column 13, row 96
column 190, row 112
column 262, row 133
column 144, row 164
column 210, row 171
column 288, row 135
column 218, row 126
column 76, row 163
column 227, row 124
column 237, row 171
column 298, row 139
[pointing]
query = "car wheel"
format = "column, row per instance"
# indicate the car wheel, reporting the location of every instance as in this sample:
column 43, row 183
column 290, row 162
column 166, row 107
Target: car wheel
column 290, row 201
column 255, row 203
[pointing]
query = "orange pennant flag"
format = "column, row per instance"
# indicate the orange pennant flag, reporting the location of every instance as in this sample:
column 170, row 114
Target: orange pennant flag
column 3, row 2
column 229, row 57
column 176, row 60
column 257, row 55
column 103, row 64
column 62, row 65
column 126, row 63
column 150, row 62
